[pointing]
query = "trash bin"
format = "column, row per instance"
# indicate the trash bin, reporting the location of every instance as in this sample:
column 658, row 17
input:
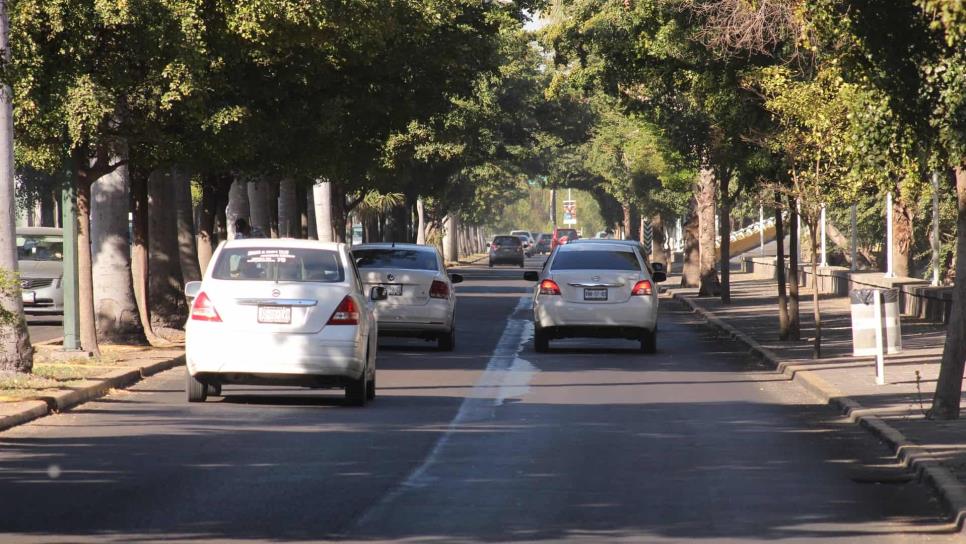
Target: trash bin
column 865, row 320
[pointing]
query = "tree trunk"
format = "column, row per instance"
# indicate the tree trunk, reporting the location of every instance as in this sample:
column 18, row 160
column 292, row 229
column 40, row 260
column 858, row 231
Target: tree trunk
column 794, row 318
column 780, row 269
column 259, row 196
column 16, row 352
column 421, row 225
column 312, row 229
column 627, row 226
column 816, row 310
column 843, row 242
column 114, row 304
column 658, row 240
column 949, row 386
column 187, row 246
column 691, row 270
column 238, row 206
column 705, row 193
column 323, row 210
column 724, row 224
column 206, row 222
column 140, row 263
column 903, row 215
column 165, row 282
column 273, row 193
column 339, row 212
column 451, row 251
column 288, row 213
column 85, row 277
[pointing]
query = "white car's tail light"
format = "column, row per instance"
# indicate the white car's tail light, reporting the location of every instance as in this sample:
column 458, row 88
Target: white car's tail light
column 549, row 287
column 347, row 313
column 204, row 310
column 643, row 287
column 438, row 289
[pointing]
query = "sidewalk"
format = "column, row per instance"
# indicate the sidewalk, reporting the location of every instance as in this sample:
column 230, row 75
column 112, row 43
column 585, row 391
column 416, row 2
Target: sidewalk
column 894, row 412
column 57, row 385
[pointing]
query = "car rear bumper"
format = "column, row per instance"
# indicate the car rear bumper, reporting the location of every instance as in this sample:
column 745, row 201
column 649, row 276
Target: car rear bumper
column 415, row 320
column 635, row 314
column 291, row 356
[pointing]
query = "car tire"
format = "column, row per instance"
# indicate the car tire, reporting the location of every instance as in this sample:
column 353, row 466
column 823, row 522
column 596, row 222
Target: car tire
column 447, row 341
column 195, row 389
column 649, row 342
column 356, row 393
column 541, row 342
column 371, row 389
column 214, row 390
column 491, row 264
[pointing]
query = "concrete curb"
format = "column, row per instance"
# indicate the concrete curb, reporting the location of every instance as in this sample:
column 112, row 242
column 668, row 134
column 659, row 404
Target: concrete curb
column 913, row 456
column 65, row 400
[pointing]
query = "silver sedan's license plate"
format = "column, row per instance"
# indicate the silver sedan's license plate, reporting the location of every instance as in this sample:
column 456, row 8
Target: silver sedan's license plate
column 595, row 294
column 393, row 289
column 274, row 314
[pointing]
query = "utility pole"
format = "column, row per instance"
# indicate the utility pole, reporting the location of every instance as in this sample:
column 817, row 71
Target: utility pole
column 935, row 228
column 69, row 281
column 854, row 249
column 824, row 251
column 553, row 208
column 889, row 234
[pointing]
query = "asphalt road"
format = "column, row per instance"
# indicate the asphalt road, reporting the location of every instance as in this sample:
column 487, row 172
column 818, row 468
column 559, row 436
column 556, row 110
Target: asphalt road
column 491, row 443
column 45, row 327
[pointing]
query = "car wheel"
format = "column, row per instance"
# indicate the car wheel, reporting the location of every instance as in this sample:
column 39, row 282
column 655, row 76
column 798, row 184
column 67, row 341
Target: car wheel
column 214, row 390
column 541, row 342
column 197, row 391
column 649, row 342
column 371, row 388
column 356, row 393
column 447, row 341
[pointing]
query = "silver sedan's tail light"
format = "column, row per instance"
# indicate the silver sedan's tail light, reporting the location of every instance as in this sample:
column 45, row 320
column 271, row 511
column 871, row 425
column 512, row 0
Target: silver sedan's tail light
column 346, row 313
column 549, row 287
column 643, row 287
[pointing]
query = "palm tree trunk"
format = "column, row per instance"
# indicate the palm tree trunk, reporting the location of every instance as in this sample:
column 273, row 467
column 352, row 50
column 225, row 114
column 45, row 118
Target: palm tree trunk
column 288, row 213
column 780, row 269
column 238, row 206
column 85, row 277
column 139, row 253
column 165, row 282
column 706, row 192
column 794, row 318
column 187, row 246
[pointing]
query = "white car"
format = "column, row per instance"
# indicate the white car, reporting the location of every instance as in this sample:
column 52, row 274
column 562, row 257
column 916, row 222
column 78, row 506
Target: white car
column 421, row 301
column 281, row 312
column 600, row 290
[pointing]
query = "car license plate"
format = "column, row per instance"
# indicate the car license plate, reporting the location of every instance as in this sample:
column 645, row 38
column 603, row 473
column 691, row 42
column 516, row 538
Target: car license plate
column 595, row 294
column 393, row 289
column 274, row 314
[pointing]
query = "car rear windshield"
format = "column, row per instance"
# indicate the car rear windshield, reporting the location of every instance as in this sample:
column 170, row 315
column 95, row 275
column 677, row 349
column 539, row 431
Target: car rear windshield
column 596, row 260
column 409, row 259
column 279, row 264
column 507, row 240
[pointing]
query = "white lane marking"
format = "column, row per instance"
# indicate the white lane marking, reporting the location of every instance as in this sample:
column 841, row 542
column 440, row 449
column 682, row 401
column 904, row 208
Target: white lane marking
column 506, row 376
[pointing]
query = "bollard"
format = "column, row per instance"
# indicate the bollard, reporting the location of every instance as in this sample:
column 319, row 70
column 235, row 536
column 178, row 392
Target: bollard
column 879, row 342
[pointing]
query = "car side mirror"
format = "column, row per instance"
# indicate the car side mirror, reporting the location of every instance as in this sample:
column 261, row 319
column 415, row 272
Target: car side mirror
column 531, row 275
column 378, row 293
column 456, row 278
column 192, row 288
column 659, row 277
column 658, row 267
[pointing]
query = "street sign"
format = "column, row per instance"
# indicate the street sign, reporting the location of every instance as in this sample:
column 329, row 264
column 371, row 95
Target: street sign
column 648, row 238
column 570, row 212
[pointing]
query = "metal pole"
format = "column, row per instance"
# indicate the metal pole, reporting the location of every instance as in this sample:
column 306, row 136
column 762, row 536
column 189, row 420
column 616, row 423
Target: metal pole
column 761, row 230
column 69, row 280
column 854, row 249
column 798, row 231
column 879, row 347
column 935, row 228
column 889, row 270
column 824, row 251
column 553, row 208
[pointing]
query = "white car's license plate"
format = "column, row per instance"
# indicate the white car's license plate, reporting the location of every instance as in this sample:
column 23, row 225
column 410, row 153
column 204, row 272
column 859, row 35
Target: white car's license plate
column 393, row 289
column 274, row 314
column 595, row 294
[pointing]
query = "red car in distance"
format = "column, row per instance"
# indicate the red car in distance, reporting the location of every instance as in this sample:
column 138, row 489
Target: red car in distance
column 562, row 236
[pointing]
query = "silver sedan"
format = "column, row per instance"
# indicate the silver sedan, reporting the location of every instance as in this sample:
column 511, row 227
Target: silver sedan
column 421, row 300
column 597, row 290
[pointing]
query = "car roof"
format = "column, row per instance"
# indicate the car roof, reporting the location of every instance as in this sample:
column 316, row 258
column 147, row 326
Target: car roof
column 596, row 247
column 390, row 245
column 39, row 230
column 284, row 243
column 606, row 241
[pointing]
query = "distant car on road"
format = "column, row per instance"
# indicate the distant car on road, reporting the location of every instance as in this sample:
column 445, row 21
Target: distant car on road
column 543, row 242
column 507, row 249
column 562, row 236
column 599, row 290
column 529, row 241
column 282, row 312
column 421, row 301
column 40, row 257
